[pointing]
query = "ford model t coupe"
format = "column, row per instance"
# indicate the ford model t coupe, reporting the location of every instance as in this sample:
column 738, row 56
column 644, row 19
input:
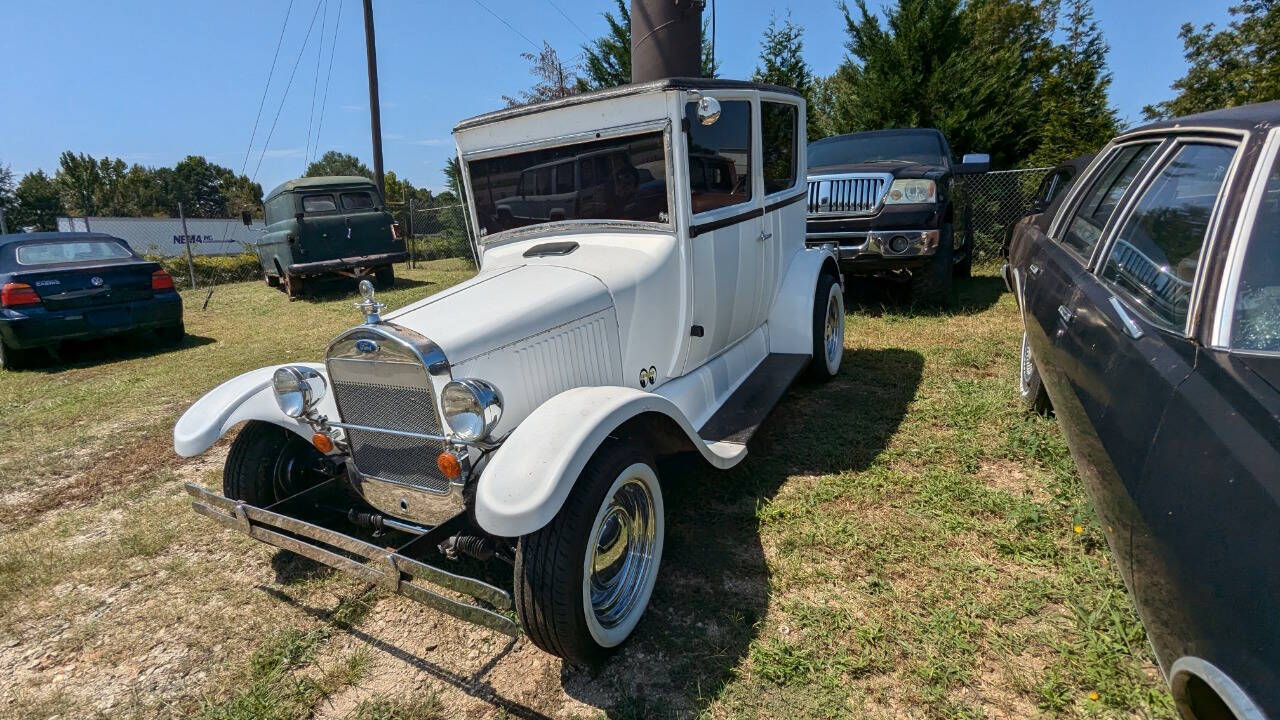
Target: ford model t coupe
column 519, row 415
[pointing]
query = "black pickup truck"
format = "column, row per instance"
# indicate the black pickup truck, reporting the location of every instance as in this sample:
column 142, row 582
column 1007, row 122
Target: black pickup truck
column 884, row 197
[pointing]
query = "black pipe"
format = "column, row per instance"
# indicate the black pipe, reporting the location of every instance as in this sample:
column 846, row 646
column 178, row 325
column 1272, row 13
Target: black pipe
column 666, row 39
column 375, row 112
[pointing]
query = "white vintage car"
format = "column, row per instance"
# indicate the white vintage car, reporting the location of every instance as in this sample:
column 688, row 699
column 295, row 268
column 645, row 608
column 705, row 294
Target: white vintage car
column 521, row 414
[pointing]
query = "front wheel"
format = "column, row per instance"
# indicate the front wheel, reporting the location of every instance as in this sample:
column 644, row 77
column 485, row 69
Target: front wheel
column 583, row 581
column 267, row 464
column 828, row 329
column 931, row 284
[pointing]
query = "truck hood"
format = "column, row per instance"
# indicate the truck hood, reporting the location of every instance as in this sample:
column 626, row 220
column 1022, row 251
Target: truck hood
column 500, row 308
column 897, row 168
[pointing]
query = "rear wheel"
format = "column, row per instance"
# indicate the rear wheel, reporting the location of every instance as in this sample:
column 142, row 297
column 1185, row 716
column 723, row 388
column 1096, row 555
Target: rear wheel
column 172, row 334
column 268, row 463
column 11, row 358
column 583, row 582
column 931, row 284
column 828, row 330
column 385, row 277
column 293, row 286
column 1030, row 388
column 271, row 280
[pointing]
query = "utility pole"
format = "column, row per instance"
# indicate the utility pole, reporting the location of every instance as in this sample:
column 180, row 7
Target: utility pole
column 375, row 113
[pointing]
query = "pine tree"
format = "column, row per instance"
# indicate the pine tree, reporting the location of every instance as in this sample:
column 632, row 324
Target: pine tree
column 782, row 63
column 1077, row 118
column 1234, row 66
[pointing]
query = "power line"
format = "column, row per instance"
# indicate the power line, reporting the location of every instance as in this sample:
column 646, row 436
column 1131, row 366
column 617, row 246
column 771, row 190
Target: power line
column 263, row 101
column 571, row 22
column 315, row 82
column 513, row 29
column 324, row 102
column 288, row 85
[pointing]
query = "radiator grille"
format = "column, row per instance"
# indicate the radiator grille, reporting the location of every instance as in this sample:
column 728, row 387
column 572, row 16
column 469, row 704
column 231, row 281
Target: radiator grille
column 394, row 458
column 849, row 195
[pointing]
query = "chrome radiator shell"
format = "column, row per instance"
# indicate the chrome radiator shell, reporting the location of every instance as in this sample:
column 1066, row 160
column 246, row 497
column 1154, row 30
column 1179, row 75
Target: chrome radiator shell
column 388, row 377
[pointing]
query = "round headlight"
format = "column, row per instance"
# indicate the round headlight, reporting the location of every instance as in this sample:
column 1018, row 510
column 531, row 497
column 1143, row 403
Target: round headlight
column 471, row 407
column 297, row 389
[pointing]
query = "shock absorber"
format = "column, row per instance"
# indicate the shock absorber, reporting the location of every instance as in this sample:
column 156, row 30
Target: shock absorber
column 479, row 547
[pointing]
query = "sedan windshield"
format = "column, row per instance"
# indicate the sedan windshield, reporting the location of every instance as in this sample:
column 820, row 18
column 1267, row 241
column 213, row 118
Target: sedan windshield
column 616, row 179
column 877, row 147
column 65, row 252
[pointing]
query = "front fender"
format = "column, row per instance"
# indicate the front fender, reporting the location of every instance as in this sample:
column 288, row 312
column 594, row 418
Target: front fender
column 790, row 319
column 245, row 397
column 528, row 478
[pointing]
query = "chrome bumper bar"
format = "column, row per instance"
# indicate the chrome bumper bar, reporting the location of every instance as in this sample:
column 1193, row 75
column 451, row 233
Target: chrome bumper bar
column 913, row 243
column 366, row 561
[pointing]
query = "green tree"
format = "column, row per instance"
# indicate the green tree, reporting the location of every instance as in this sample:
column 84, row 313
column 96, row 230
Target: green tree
column 8, row 203
column 200, row 186
column 1076, row 117
column 782, row 63
column 80, row 182
column 338, row 163
column 607, row 60
column 554, row 78
column 1237, row 65
column 39, row 203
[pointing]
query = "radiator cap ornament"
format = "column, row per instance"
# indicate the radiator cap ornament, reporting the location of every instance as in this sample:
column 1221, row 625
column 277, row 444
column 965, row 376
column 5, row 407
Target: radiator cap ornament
column 368, row 305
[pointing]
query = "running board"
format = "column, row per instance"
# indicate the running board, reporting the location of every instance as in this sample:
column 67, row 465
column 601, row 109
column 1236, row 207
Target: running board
column 741, row 415
column 366, row 561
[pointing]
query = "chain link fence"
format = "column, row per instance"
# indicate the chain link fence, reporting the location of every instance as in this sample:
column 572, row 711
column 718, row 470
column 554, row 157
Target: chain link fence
column 992, row 202
column 434, row 233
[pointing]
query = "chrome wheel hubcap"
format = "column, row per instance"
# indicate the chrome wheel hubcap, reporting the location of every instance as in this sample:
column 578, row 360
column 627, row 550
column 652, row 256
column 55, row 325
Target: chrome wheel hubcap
column 1025, row 366
column 622, row 553
column 834, row 332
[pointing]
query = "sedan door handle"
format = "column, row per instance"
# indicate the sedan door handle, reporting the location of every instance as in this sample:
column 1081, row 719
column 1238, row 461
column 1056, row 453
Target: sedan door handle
column 1034, row 269
column 1066, row 314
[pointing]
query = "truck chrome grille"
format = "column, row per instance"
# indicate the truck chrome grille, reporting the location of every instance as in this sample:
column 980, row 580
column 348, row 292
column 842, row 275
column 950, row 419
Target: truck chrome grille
column 407, row 405
column 848, row 195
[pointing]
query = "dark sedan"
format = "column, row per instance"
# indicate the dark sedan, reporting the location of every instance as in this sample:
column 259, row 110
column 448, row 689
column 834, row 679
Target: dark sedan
column 69, row 286
column 1151, row 307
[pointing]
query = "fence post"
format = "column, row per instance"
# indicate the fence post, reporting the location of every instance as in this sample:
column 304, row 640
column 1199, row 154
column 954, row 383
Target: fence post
column 186, row 240
column 412, row 241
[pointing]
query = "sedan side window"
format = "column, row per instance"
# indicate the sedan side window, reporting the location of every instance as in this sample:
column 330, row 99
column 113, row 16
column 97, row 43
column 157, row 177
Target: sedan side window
column 1256, row 324
column 720, row 156
column 1155, row 255
column 1091, row 217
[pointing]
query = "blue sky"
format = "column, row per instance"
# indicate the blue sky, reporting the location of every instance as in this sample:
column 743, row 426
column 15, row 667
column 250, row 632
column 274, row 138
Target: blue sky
column 152, row 81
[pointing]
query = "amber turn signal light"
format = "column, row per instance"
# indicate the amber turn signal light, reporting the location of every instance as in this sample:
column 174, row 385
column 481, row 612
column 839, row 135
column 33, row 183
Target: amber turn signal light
column 322, row 442
column 449, row 465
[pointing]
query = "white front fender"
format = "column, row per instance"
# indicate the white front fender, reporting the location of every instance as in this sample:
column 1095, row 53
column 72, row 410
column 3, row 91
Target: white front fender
column 527, row 480
column 245, row 397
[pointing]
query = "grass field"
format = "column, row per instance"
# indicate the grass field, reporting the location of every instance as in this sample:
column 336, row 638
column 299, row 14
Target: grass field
column 903, row 542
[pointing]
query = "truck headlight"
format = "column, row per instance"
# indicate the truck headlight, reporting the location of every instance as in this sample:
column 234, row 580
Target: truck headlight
column 297, row 388
column 902, row 192
column 471, row 407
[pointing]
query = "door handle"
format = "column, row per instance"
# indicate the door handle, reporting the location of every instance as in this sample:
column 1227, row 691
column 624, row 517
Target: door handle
column 764, row 236
column 1066, row 314
column 1034, row 269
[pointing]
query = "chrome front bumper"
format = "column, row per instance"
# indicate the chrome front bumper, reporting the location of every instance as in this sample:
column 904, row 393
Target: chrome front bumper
column 878, row 243
column 390, row 569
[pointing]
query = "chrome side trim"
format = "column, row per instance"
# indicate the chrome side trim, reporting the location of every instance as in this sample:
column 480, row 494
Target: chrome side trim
column 1236, row 699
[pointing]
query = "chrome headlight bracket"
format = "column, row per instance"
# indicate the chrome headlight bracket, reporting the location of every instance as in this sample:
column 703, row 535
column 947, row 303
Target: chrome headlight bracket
column 297, row 389
column 471, row 407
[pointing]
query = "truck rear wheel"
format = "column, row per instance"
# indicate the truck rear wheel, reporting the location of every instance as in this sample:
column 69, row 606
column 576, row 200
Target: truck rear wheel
column 964, row 268
column 385, row 277
column 583, row 582
column 931, row 284
column 293, row 286
column 267, row 464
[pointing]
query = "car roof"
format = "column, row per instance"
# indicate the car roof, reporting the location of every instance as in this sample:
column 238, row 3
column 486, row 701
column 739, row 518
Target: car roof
column 1242, row 117
column 323, row 181
column 679, row 83
column 57, row 235
column 880, row 133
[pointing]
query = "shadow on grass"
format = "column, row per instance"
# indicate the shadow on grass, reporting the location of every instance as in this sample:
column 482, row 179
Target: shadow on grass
column 875, row 296
column 90, row 353
column 338, row 287
column 713, row 589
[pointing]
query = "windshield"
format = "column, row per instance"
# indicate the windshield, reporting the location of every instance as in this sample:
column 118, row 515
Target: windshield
column 65, row 252
column 617, row 179
column 877, row 147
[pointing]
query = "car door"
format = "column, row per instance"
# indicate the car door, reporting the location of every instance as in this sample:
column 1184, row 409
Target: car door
column 1125, row 329
column 780, row 132
column 725, row 229
column 1210, row 496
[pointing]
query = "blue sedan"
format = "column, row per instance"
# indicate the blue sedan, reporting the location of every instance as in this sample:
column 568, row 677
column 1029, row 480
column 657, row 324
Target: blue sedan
column 57, row 286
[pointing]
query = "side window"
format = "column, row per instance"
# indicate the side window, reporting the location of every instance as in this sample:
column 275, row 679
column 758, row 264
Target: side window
column 564, row 178
column 1256, row 323
column 778, row 126
column 280, row 208
column 318, row 203
column 1156, row 253
column 356, row 201
column 543, row 178
column 724, row 149
column 1091, row 217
